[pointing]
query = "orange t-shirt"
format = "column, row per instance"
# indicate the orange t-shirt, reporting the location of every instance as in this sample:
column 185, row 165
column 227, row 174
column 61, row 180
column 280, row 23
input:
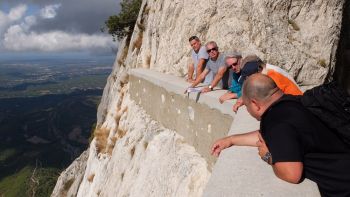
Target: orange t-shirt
column 282, row 79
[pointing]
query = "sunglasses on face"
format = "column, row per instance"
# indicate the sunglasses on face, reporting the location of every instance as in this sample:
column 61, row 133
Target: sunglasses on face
column 212, row 49
column 234, row 64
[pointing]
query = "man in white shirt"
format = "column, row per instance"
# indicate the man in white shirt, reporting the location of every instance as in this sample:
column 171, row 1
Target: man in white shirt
column 199, row 59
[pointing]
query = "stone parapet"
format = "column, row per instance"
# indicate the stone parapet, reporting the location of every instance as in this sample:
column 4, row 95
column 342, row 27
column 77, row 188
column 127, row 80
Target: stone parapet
column 200, row 120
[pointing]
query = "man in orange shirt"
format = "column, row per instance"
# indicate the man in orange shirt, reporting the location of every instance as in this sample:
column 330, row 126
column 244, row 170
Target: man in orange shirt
column 282, row 79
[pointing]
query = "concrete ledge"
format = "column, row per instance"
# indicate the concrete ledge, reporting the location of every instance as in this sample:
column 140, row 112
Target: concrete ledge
column 163, row 98
column 238, row 171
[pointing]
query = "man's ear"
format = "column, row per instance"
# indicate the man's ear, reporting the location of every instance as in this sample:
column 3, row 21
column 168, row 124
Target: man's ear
column 256, row 104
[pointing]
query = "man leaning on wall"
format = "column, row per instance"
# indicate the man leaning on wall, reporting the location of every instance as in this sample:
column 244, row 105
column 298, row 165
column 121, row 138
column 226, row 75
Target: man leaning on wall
column 233, row 61
column 199, row 58
column 294, row 142
column 215, row 70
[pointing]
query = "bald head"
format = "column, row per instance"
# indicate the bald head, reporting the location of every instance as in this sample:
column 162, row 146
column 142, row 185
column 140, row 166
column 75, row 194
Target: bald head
column 259, row 87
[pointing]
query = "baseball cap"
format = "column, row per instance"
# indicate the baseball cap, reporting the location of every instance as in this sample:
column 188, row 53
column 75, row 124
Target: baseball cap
column 248, row 69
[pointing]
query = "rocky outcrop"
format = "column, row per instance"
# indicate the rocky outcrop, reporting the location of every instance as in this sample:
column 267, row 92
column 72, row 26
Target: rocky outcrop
column 69, row 181
column 146, row 160
column 132, row 155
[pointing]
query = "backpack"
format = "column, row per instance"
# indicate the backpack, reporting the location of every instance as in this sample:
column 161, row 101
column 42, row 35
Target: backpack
column 331, row 104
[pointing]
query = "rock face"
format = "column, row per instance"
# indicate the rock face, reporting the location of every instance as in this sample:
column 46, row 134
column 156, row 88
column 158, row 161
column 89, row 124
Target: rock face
column 69, row 181
column 132, row 155
column 145, row 160
column 299, row 36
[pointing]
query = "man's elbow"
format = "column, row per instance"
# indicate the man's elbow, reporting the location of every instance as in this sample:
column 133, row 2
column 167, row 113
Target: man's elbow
column 293, row 178
column 289, row 171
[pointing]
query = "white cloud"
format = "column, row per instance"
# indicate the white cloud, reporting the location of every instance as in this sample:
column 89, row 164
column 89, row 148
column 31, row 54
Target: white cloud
column 16, row 34
column 17, row 39
column 49, row 11
column 14, row 15
column 17, row 12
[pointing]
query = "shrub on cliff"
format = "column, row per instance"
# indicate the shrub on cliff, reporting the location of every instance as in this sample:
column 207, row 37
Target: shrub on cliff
column 122, row 25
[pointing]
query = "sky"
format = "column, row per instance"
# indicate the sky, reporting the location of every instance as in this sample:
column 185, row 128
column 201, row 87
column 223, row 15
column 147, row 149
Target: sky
column 55, row 27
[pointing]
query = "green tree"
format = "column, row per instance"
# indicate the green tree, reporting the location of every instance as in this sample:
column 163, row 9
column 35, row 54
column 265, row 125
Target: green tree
column 123, row 24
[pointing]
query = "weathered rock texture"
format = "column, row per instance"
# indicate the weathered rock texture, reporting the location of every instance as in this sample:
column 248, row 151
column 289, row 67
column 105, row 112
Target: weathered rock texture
column 300, row 36
column 146, row 160
column 69, row 181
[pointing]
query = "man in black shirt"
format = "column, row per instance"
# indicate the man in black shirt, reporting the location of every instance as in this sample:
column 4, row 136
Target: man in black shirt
column 292, row 140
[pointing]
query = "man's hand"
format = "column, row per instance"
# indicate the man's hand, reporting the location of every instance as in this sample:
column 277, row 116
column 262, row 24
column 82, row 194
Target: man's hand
column 237, row 105
column 227, row 96
column 206, row 89
column 190, row 80
column 262, row 146
column 224, row 97
column 219, row 145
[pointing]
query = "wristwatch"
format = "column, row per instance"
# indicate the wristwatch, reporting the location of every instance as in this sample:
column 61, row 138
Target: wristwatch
column 210, row 87
column 267, row 158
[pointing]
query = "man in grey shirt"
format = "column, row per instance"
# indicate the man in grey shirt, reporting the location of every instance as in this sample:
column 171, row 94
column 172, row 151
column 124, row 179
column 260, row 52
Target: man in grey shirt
column 215, row 69
column 199, row 58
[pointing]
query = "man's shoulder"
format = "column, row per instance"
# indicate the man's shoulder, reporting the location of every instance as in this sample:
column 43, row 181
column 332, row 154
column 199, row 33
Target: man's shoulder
column 202, row 50
column 286, row 105
column 287, row 100
column 221, row 60
column 202, row 53
column 222, row 57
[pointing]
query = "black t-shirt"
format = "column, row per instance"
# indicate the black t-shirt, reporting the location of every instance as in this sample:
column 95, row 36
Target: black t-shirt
column 293, row 134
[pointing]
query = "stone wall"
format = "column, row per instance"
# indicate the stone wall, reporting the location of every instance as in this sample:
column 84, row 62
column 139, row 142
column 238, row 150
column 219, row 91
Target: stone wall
column 200, row 122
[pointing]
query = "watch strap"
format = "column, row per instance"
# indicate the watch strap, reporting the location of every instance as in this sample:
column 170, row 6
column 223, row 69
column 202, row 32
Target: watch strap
column 267, row 157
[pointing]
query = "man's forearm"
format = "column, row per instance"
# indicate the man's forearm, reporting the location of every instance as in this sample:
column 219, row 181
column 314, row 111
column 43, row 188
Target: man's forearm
column 197, row 81
column 199, row 78
column 190, row 71
column 245, row 139
column 215, row 80
column 218, row 76
column 200, row 67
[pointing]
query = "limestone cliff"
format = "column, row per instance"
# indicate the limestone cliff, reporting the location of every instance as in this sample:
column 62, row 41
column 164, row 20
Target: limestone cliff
column 132, row 155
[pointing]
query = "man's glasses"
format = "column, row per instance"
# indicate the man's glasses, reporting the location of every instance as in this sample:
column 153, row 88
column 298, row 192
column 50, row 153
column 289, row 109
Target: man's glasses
column 234, row 64
column 212, row 49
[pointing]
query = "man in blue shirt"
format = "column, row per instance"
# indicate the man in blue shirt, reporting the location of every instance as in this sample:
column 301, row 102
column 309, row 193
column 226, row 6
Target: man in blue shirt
column 233, row 60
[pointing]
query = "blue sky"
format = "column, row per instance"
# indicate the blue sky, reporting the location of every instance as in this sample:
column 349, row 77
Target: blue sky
column 55, row 28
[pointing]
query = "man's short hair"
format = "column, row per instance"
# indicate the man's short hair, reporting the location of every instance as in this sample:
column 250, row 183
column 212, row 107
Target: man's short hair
column 211, row 43
column 233, row 54
column 193, row 38
column 259, row 87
